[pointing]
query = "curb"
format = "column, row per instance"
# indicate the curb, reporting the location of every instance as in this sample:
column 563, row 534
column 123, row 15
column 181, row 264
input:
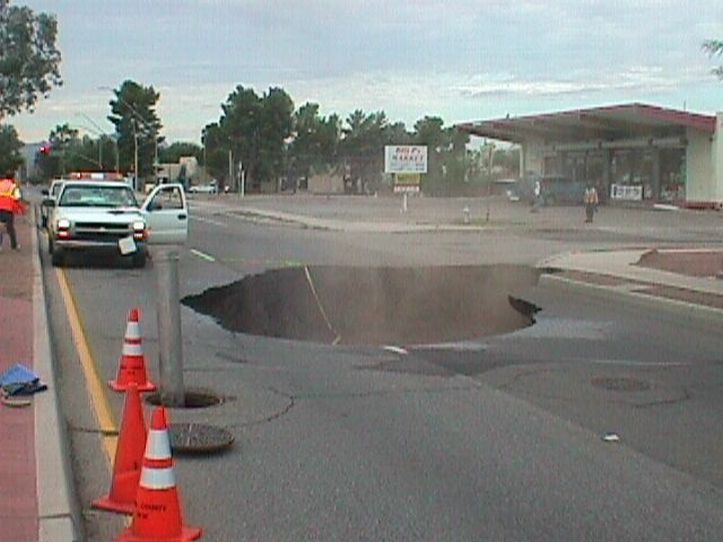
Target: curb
column 702, row 314
column 56, row 517
column 252, row 214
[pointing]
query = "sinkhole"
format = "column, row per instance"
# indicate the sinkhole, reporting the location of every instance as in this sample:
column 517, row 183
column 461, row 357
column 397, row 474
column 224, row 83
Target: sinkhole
column 374, row 305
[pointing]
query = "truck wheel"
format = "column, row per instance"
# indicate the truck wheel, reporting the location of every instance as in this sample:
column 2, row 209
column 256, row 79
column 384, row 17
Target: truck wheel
column 139, row 260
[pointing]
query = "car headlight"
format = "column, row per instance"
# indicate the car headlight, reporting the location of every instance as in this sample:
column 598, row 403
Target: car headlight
column 63, row 224
column 139, row 226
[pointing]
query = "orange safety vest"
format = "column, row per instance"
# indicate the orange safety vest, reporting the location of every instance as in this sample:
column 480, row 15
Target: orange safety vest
column 10, row 198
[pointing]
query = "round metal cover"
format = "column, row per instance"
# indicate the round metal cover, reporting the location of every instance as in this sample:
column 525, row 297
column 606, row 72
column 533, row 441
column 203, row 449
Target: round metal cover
column 198, row 438
column 620, row 384
column 192, row 398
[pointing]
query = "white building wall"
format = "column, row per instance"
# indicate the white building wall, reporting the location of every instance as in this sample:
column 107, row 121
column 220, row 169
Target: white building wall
column 717, row 158
column 700, row 181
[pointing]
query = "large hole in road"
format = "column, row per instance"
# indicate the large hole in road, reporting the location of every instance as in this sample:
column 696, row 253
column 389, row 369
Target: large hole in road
column 374, row 306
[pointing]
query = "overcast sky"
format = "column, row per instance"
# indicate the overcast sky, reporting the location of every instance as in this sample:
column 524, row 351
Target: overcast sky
column 461, row 60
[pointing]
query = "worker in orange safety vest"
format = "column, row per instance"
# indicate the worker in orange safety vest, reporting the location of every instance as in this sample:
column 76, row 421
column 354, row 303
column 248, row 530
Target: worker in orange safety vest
column 11, row 204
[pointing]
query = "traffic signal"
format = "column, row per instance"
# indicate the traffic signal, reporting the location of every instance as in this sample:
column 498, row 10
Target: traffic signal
column 45, row 149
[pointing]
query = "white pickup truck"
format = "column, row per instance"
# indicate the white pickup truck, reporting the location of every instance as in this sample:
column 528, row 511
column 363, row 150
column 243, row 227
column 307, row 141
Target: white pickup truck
column 104, row 217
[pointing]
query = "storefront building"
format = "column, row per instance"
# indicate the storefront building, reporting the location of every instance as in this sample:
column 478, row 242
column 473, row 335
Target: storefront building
column 630, row 152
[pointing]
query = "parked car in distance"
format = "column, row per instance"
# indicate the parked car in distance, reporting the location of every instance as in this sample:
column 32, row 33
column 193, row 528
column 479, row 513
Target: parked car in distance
column 508, row 187
column 210, row 188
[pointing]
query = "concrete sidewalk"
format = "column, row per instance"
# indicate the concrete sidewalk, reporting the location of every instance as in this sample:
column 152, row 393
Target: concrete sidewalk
column 632, row 274
column 35, row 503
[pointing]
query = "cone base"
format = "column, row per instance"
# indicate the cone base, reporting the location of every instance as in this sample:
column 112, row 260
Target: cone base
column 109, row 505
column 147, row 386
column 187, row 533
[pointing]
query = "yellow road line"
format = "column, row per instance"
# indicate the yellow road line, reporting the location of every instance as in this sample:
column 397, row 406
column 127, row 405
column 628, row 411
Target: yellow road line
column 93, row 382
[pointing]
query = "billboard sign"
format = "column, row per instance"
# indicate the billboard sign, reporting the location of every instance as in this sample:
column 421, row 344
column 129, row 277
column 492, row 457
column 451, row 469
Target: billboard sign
column 405, row 159
column 406, row 182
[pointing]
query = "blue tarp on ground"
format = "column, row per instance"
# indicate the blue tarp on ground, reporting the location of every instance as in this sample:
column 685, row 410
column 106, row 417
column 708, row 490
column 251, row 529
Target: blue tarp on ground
column 19, row 380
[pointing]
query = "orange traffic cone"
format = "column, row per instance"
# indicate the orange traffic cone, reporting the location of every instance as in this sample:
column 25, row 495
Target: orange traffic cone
column 128, row 457
column 157, row 516
column 132, row 367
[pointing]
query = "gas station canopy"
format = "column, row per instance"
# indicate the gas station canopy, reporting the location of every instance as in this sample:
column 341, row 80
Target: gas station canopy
column 600, row 123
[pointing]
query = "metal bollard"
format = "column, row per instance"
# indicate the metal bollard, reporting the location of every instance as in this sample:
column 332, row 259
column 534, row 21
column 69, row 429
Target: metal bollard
column 170, row 345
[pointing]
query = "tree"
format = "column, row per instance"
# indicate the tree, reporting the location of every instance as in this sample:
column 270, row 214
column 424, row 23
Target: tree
column 215, row 150
column 315, row 143
column 239, row 124
column 56, row 161
column 29, row 61
column 174, row 152
column 10, row 145
column 255, row 130
column 430, row 131
column 66, row 151
column 397, row 134
column 274, row 130
column 134, row 116
column 714, row 48
column 362, row 146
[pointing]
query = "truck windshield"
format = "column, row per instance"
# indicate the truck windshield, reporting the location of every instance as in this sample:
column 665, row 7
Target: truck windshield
column 97, row 196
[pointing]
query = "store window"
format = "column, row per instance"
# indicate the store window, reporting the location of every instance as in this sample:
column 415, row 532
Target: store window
column 672, row 174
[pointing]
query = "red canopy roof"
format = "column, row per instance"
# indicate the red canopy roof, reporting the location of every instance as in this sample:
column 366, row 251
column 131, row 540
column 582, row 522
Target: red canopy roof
column 611, row 122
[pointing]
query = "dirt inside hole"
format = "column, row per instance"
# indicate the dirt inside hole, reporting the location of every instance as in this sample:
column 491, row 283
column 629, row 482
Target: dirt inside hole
column 373, row 306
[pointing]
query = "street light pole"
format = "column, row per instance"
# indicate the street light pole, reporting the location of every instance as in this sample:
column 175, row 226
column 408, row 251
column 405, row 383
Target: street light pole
column 117, row 157
column 489, row 178
column 230, row 169
column 135, row 156
column 101, row 135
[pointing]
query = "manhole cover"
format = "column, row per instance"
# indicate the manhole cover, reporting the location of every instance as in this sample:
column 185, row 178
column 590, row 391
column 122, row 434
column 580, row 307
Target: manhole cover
column 620, row 384
column 192, row 399
column 198, row 438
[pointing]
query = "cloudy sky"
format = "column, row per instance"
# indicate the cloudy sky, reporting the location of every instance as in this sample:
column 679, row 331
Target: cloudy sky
column 459, row 59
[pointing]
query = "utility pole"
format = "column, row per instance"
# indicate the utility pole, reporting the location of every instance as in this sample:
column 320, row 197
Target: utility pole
column 205, row 163
column 230, row 167
column 491, row 154
column 135, row 155
column 117, row 157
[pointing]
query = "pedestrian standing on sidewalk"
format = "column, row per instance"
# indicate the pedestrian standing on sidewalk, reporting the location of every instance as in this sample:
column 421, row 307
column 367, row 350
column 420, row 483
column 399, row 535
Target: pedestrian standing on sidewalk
column 11, row 204
column 591, row 201
column 536, row 196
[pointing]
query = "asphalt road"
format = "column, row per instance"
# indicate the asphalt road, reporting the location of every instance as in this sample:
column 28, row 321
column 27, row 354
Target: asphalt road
column 495, row 439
